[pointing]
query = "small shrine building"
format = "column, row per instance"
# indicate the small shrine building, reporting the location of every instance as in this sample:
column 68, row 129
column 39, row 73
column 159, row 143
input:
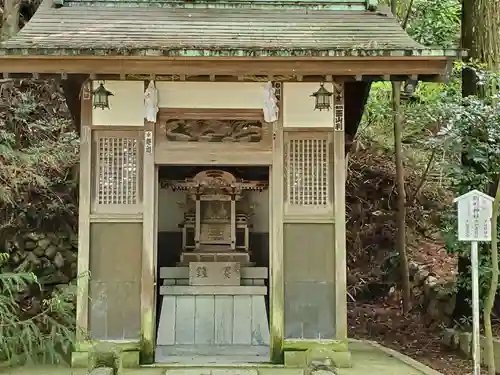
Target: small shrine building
column 213, row 166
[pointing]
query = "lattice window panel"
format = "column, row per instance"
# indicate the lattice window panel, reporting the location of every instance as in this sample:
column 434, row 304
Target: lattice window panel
column 307, row 172
column 118, row 171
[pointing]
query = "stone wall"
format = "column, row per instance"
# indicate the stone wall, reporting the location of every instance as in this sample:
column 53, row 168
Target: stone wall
column 436, row 297
column 462, row 343
column 52, row 257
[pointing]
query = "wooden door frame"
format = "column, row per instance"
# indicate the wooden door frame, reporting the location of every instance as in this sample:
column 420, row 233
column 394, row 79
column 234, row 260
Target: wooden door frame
column 275, row 254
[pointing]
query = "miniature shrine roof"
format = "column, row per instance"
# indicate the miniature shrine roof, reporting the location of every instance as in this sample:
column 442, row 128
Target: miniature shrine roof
column 164, row 28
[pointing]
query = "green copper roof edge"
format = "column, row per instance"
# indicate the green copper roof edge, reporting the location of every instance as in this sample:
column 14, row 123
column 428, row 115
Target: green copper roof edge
column 371, row 5
column 223, row 52
column 207, row 4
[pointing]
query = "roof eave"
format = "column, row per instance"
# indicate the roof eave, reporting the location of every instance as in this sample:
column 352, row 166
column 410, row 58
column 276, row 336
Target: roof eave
column 222, row 51
column 428, row 66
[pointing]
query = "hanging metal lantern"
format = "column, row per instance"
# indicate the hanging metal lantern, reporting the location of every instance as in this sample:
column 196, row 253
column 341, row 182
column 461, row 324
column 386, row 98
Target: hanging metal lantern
column 323, row 98
column 101, row 97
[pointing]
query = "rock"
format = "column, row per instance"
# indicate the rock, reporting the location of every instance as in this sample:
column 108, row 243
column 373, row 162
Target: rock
column 413, row 266
column 32, row 236
column 55, row 278
column 421, row 275
column 50, row 252
column 465, row 344
column 102, row 371
column 44, row 243
column 59, row 260
column 73, row 240
column 449, row 306
column 33, row 259
column 29, row 245
column 442, row 294
column 70, row 256
column 433, row 309
column 15, row 258
column 429, row 285
column 39, row 252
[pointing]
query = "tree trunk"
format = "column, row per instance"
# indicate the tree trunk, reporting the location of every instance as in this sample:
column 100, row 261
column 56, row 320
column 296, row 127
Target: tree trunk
column 490, row 301
column 401, row 197
column 469, row 87
column 10, row 19
column 469, row 79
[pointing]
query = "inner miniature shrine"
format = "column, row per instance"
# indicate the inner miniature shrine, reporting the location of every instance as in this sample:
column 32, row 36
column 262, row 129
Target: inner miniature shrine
column 215, row 292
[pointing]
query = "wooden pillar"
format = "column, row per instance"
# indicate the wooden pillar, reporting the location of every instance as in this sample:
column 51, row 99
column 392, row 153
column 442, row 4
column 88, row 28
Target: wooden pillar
column 277, row 320
column 339, row 178
column 82, row 298
column 148, row 290
column 197, row 225
column 233, row 223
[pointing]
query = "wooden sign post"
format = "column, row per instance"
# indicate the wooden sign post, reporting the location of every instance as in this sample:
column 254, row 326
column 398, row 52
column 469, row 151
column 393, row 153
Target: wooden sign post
column 474, row 225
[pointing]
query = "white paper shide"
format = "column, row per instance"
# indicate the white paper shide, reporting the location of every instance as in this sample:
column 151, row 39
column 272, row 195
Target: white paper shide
column 151, row 102
column 270, row 107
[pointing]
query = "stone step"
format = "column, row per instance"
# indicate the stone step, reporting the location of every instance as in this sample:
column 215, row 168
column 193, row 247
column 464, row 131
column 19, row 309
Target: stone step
column 235, row 371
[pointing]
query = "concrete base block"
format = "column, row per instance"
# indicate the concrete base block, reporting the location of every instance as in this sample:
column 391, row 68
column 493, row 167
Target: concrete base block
column 328, row 357
column 295, row 358
column 129, row 359
column 80, row 360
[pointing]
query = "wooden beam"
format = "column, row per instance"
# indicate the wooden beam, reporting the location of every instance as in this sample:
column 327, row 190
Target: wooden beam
column 348, row 66
column 233, row 78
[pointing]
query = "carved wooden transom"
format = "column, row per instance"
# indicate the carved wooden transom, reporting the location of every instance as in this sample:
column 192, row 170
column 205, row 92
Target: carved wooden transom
column 211, row 130
column 215, row 181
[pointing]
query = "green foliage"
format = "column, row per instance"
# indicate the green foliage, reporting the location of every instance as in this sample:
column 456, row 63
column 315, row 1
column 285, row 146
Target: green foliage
column 472, row 130
column 38, row 150
column 423, row 116
column 430, row 22
column 435, row 22
column 45, row 337
column 438, row 120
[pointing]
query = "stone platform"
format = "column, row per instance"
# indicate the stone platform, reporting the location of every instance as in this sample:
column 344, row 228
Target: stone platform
column 367, row 358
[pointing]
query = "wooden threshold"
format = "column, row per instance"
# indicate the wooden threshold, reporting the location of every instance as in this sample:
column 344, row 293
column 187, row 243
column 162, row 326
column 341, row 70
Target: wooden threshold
column 238, row 67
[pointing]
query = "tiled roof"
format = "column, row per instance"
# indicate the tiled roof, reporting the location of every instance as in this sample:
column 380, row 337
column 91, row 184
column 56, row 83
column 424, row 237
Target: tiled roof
column 212, row 32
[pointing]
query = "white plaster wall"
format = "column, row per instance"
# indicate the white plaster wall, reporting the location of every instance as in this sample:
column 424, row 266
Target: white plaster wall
column 298, row 106
column 170, row 214
column 210, row 94
column 126, row 106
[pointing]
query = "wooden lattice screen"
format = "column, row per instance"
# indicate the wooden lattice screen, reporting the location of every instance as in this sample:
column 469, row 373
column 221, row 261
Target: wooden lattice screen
column 117, row 173
column 308, row 173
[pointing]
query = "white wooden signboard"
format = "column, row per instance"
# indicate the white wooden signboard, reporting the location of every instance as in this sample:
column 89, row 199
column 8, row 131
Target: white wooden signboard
column 474, row 225
column 474, row 216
